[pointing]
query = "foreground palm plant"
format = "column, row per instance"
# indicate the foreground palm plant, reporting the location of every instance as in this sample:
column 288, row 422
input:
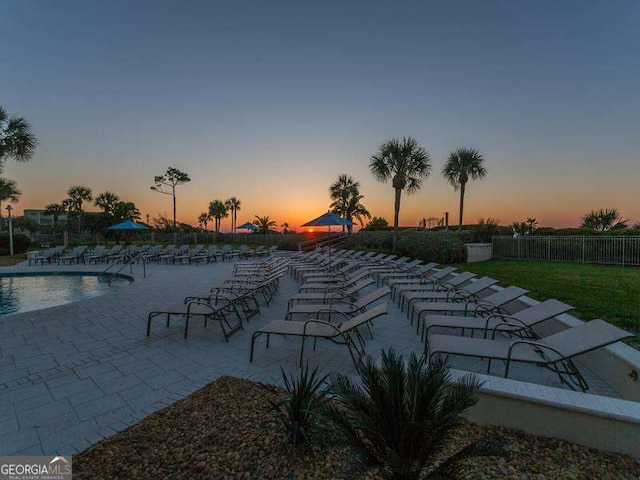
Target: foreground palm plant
column 402, row 418
column 299, row 407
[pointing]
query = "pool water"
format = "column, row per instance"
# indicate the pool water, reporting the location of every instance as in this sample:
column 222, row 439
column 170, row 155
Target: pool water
column 28, row 293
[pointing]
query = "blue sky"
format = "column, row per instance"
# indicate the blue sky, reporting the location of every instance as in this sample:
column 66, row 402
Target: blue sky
column 271, row 101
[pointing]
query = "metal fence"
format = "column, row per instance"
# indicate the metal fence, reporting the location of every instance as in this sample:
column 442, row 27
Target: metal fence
column 610, row 250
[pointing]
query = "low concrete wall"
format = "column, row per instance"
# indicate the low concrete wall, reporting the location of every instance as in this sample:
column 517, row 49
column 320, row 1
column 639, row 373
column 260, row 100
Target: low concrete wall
column 478, row 252
column 603, row 423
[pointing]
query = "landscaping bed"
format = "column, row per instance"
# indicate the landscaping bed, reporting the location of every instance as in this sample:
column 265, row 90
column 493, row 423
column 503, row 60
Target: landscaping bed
column 227, row 430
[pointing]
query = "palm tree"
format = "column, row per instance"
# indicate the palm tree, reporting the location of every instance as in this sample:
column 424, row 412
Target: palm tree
column 167, row 183
column 340, row 191
column 401, row 417
column 463, row 165
column 355, row 210
column 203, row 219
column 55, row 210
column 125, row 211
column 106, row 201
column 16, row 139
column 286, row 228
column 8, row 192
column 265, row 224
column 233, row 205
column 218, row 211
column 603, row 220
column 77, row 195
column 346, row 200
column 406, row 164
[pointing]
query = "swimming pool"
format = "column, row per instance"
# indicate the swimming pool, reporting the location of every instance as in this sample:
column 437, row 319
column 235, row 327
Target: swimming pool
column 28, row 292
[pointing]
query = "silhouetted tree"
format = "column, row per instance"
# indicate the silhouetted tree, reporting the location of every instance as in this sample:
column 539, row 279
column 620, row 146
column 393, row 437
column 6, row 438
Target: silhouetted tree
column 406, row 164
column 463, row 165
column 167, row 184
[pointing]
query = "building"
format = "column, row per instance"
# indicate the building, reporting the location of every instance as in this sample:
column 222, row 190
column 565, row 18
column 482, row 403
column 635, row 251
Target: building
column 42, row 219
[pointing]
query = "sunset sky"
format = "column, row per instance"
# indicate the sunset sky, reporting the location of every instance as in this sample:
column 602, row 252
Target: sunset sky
column 270, row 101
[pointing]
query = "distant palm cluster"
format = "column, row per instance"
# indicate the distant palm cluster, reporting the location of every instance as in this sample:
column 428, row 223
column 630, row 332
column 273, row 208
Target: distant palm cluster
column 403, row 162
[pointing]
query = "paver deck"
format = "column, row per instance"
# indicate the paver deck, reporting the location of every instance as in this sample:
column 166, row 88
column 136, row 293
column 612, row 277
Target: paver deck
column 74, row 374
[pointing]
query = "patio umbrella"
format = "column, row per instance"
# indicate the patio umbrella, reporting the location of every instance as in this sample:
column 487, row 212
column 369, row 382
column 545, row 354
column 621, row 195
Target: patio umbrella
column 128, row 225
column 248, row 226
column 327, row 220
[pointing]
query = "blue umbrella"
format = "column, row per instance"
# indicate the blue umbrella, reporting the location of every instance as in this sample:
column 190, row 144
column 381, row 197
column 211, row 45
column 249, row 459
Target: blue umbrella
column 128, row 225
column 326, row 220
column 248, row 226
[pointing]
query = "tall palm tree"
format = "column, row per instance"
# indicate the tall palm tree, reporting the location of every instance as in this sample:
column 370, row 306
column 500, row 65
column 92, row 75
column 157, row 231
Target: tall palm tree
column 406, row 164
column 77, row 195
column 8, row 192
column 106, row 201
column 16, row 139
column 265, row 224
column 55, row 210
column 203, row 219
column 218, row 211
column 233, row 205
column 463, row 164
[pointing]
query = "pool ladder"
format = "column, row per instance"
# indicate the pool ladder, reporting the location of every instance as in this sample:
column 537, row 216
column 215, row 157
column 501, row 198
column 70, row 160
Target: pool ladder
column 128, row 261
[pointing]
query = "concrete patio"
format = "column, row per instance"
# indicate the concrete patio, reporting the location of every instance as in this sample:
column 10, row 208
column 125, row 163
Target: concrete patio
column 74, row 374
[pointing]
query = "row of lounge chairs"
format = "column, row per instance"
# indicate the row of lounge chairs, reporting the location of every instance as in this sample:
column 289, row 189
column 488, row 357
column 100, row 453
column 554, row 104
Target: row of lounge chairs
column 437, row 298
column 232, row 303
column 169, row 254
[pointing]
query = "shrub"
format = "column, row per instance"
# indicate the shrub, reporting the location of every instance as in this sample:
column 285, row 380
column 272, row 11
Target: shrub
column 372, row 240
column 400, row 418
column 299, row 407
column 21, row 243
column 441, row 247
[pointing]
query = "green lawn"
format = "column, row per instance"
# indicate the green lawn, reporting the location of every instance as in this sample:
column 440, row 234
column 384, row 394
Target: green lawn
column 596, row 291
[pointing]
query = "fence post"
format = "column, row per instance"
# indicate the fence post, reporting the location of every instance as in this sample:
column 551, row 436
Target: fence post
column 623, row 252
column 65, row 238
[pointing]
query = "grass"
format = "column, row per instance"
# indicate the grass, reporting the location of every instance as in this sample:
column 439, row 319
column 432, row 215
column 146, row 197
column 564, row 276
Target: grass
column 8, row 260
column 596, row 291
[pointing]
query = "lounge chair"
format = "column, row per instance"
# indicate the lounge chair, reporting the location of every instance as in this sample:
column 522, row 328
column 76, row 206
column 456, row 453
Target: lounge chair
column 331, row 293
column 323, row 286
column 554, row 352
column 449, row 284
column 338, row 306
column 221, row 312
column 114, row 254
column 48, row 255
column 95, row 255
column 483, row 307
column 519, row 323
column 76, row 255
column 469, row 293
column 345, row 333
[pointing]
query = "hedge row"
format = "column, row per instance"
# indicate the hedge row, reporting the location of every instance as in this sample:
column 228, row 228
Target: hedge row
column 20, row 243
column 441, row 247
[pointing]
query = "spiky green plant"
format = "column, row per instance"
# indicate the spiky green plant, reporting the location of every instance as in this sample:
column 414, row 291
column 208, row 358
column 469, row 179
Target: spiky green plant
column 299, row 407
column 402, row 417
